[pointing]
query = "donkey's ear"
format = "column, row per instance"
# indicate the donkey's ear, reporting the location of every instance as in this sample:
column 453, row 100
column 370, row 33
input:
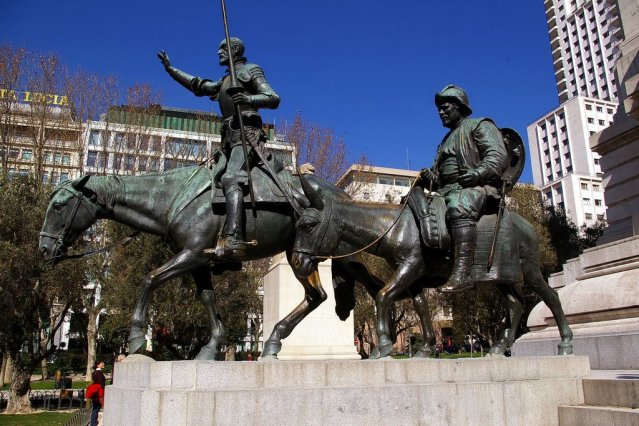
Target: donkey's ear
column 314, row 198
column 78, row 184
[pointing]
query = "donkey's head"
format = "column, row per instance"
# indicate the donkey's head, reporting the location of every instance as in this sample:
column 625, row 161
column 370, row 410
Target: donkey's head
column 71, row 211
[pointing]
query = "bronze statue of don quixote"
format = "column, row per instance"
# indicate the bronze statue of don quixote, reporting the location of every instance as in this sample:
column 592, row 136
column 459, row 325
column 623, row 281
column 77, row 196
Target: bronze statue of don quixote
column 248, row 205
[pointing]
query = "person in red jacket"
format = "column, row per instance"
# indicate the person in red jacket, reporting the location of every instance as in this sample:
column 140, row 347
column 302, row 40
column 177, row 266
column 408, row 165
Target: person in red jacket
column 97, row 398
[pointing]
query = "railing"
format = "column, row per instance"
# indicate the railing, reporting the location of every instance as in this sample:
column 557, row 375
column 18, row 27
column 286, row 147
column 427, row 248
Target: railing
column 81, row 418
column 51, row 400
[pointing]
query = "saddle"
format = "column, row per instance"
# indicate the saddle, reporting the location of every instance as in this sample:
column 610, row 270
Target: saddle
column 264, row 187
column 430, row 214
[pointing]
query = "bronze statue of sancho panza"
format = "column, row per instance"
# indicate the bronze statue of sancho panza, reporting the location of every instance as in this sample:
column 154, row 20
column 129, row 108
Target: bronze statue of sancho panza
column 254, row 93
column 467, row 172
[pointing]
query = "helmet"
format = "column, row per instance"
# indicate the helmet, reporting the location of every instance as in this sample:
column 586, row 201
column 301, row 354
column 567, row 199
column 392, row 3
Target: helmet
column 456, row 94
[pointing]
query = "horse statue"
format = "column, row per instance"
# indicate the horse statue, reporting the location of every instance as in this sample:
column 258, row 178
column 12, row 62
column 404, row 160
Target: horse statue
column 175, row 205
column 329, row 225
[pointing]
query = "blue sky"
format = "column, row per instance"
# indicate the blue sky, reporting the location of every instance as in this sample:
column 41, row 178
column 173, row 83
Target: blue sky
column 367, row 69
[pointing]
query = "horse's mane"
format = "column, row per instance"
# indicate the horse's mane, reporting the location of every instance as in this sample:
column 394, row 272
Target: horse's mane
column 107, row 189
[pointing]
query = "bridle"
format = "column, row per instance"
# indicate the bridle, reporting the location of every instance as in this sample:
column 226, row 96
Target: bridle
column 79, row 199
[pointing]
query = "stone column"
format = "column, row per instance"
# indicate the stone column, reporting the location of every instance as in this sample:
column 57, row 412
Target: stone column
column 321, row 335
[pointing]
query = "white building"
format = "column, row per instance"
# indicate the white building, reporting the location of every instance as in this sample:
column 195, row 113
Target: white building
column 584, row 39
column 377, row 184
column 563, row 165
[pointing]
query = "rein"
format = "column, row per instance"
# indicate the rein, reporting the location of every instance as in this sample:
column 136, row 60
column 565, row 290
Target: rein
column 59, row 238
column 376, row 240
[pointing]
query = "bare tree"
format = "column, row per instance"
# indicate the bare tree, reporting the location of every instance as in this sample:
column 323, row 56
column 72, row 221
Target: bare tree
column 317, row 145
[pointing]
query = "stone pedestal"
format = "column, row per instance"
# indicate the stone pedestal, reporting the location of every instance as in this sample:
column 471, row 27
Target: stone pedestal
column 321, row 335
column 492, row 391
column 599, row 292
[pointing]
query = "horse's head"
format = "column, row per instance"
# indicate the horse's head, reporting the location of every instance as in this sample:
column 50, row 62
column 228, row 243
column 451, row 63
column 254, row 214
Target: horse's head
column 71, row 211
column 311, row 233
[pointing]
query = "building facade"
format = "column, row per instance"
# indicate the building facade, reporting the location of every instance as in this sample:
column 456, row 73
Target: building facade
column 566, row 170
column 39, row 136
column 584, row 39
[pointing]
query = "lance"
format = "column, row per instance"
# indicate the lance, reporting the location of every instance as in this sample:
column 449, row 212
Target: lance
column 236, row 88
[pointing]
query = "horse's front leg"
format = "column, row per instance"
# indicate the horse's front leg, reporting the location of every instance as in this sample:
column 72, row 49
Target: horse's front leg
column 515, row 309
column 179, row 264
column 420, row 303
column 405, row 274
column 314, row 295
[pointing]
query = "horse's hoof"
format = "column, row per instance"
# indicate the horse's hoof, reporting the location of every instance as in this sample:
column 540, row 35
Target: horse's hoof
column 136, row 341
column 271, row 349
column 268, row 358
column 206, row 354
column 564, row 349
column 497, row 350
column 423, row 353
column 381, row 351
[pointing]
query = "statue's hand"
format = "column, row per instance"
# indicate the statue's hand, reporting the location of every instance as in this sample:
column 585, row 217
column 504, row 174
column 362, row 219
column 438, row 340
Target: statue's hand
column 428, row 176
column 164, row 58
column 470, row 178
column 241, row 98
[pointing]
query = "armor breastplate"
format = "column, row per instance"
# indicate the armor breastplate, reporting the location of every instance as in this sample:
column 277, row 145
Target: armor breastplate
column 227, row 106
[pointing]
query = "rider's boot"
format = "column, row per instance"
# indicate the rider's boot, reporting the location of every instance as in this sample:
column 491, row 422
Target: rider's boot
column 233, row 241
column 465, row 239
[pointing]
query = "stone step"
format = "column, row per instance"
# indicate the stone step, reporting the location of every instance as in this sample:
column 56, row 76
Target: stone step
column 612, row 392
column 597, row 416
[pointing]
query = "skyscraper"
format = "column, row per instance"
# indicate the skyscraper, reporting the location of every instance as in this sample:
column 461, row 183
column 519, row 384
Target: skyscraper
column 584, row 38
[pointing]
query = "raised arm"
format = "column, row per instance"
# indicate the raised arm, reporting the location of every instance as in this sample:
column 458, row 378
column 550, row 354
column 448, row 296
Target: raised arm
column 199, row 86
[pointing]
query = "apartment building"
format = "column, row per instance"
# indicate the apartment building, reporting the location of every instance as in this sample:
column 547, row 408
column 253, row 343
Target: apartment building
column 584, row 39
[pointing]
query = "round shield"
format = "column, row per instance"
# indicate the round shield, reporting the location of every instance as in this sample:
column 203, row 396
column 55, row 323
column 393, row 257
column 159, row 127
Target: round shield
column 516, row 156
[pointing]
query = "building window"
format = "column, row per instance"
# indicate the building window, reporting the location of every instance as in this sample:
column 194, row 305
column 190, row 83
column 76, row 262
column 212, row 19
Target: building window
column 596, row 188
column 117, row 161
column 591, row 120
column 588, row 107
column 598, row 203
column 584, row 185
column 13, row 153
column 92, row 157
column 600, row 217
column 129, row 162
column 66, row 159
column 402, row 181
column 602, row 122
column 48, row 156
column 596, row 161
column 95, row 138
column 45, row 177
column 588, row 216
column 57, row 158
column 385, row 180
column 142, row 164
column 586, row 201
column 144, row 143
column 64, row 176
column 27, row 155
